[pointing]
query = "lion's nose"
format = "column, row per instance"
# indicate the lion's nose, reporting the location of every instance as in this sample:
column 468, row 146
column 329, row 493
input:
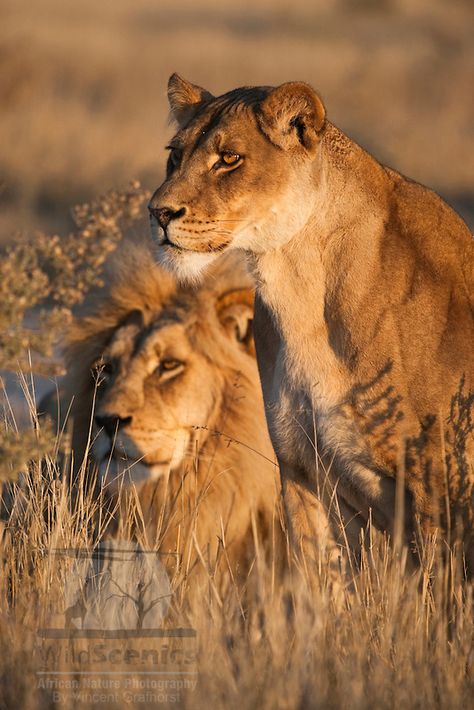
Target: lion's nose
column 111, row 423
column 164, row 215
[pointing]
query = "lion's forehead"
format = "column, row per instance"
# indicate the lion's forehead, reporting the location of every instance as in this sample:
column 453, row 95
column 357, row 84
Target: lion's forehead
column 121, row 343
column 152, row 341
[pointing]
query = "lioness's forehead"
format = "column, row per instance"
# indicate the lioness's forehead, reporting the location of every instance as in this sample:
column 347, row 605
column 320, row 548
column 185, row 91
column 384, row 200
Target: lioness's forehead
column 222, row 112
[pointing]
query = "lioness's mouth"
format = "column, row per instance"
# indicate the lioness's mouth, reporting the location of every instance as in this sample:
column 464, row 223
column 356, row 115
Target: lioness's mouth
column 163, row 240
column 160, row 235
column 202, row 248
column 168, row 243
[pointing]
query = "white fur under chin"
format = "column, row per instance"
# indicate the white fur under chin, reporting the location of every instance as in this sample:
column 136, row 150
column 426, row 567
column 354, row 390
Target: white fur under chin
column 188, row 267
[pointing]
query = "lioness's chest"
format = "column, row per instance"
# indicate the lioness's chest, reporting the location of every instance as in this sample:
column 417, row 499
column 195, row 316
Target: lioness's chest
column 312, row 430
column 298, row 409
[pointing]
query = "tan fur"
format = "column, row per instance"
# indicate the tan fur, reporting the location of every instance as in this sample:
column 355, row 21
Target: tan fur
column 205, row 477
column 364, row 310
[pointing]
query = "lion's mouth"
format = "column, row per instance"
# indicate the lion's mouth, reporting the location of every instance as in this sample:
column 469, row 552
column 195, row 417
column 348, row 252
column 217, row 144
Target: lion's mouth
column 121, row 458
column 128, row 454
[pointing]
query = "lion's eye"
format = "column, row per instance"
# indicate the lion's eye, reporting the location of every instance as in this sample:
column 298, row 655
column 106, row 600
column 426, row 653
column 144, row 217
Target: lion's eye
column 169, row 365
column 229, row 158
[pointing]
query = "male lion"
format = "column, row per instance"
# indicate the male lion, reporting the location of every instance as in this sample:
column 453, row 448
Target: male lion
column 364, row 314
column 170, row 375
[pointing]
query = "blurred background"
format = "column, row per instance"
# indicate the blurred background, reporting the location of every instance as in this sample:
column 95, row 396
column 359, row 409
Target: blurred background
column 83, row 87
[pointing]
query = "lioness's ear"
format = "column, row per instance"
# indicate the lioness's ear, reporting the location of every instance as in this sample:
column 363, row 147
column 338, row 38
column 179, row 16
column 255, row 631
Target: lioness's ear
column 185, row 98
column 235, row 312
column 292, row 114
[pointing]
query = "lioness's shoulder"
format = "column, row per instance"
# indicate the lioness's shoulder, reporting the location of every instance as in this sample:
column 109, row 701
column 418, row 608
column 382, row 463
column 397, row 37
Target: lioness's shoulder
column 432, row 226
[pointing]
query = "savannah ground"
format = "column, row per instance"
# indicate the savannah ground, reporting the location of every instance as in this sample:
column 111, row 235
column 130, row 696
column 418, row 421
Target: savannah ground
column 82, row 90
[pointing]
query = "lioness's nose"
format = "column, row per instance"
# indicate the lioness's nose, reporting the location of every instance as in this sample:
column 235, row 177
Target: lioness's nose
column 111, row 423
column 164, row 215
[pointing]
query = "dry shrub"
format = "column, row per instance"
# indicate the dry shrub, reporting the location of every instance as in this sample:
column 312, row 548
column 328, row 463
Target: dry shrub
column 40, row 281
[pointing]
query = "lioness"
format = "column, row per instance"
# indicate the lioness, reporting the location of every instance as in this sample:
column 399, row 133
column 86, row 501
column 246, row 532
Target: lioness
column 364, row 311
column 169, row 373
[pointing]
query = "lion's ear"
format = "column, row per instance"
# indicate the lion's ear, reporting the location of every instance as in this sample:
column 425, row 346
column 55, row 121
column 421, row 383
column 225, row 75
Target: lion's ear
column 184, row 99
column 292, row 115
column 235, row 312
column 135, row 318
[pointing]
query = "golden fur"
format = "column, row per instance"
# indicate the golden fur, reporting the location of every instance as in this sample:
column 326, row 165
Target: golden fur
column 364, row 311
column 191, row 439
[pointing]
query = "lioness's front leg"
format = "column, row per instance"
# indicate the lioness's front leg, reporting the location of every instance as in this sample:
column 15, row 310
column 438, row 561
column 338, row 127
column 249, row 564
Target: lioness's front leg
column 309, row 528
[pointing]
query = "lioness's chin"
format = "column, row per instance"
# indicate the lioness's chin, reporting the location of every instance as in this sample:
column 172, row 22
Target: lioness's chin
column 187, row 266
column 115, row 475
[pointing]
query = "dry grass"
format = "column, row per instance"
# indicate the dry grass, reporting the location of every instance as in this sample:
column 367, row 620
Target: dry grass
column 82, row 86
column 400, row 638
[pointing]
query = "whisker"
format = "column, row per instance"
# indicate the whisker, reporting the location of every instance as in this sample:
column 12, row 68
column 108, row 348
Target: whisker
column 220, row 221
column 204, row 234
column 213, row 221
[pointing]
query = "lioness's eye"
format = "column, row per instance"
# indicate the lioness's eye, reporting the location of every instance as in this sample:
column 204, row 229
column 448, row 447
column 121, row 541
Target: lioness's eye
column 175, row 157
column 230, row 158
